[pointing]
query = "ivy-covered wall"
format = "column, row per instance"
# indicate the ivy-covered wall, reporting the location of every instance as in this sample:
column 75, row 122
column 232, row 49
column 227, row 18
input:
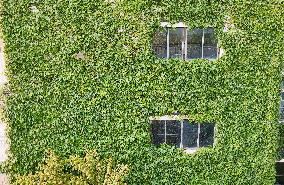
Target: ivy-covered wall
column 83, row 75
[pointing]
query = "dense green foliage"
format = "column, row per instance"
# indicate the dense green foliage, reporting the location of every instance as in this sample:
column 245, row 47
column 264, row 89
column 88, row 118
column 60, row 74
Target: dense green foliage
column 76, row 171
column 83, row 75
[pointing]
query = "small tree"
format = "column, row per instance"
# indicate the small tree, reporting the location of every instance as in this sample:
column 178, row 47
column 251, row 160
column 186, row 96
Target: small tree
column 76, row 170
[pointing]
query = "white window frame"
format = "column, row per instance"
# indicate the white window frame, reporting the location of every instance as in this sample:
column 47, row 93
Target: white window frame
column 167, row 25
column 180, row 118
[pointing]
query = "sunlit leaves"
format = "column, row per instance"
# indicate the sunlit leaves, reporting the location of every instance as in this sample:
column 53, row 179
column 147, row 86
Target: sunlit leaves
column 82, row 75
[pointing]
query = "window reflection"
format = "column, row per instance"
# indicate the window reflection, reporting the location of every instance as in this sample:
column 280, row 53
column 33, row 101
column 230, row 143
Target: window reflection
column 176, row 36
column 182, row 133
column 282, row 111
column 173, row 132
column 160, row 43
column 173, row 127
column 185, row 43
column 281, row 154
column 190, row 134
column 210, row 44
column 158, row 130
column 206, row 136
column 194, row 43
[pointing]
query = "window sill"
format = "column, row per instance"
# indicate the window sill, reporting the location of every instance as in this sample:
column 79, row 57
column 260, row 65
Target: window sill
column 196, row 149
column 190, row 150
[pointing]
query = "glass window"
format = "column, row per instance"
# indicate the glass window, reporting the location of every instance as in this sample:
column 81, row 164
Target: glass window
column 160, row 43
column 210, row 44
column 194, row 43
column 282, row 112
column 158, row 130
column 206, row 136
column 190, row 134
column 173, row 132
column 182, row 133
column 176, row 38
column 186, row 44
column 281, row 153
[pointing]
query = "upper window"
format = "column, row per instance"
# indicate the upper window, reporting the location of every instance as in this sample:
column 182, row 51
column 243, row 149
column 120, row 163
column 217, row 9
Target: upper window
column 186, row 44
column 182, row 133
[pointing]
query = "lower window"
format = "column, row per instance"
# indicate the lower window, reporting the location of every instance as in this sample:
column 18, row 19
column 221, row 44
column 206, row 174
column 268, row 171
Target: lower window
column 182, row 133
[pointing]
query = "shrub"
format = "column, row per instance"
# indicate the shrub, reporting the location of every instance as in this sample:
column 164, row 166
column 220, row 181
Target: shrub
column 76, row 170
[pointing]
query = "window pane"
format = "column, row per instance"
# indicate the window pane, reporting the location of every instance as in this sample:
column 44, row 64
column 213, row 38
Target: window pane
column 281, row 154
column 209, row 37
column 158, row 132
column 173, row 140
column 210, row 52
column 158, row 139
column 281, row 113
column 158, row 127
column 194, row 43
column 190, row 134
column 206, row 136
column 173, row 132
column 210, row 44
column 282, row 104
column 173, row 127
column 160, row 43
column 176, row 38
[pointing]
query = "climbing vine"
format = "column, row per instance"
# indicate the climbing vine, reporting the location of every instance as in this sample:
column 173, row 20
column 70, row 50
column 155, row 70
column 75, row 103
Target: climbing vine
column 82, row 75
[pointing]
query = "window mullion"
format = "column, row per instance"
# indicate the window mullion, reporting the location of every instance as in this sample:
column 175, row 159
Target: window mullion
column 182, row 44
column 214, row 139
column 218, row 51
column 202, row 47
column 165, row 131
column 185, row 43
column 168, row 43
column 181, row 134
column 198, row 132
